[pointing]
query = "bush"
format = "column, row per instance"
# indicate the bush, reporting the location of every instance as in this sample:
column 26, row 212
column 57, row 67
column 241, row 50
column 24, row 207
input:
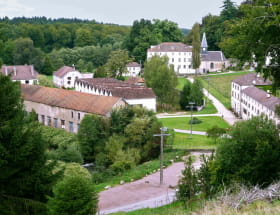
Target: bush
column 121, row 166
column 195, row 121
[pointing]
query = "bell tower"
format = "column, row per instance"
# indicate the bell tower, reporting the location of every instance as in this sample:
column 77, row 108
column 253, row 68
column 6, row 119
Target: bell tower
column 204, row 45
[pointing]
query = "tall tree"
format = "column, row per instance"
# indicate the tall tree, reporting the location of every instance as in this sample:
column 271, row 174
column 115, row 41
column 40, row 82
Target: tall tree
column 196, row 47
column 229, row 10
column 26, row 176
column 162, row 78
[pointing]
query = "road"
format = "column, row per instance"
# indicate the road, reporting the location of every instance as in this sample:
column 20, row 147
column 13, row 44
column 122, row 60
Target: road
column 145, row 192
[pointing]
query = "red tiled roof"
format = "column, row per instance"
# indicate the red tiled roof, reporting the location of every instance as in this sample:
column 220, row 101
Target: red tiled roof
column 20, row 72
column 171, row 47
column 67, row 99
column 63, row 71
column 135, row 80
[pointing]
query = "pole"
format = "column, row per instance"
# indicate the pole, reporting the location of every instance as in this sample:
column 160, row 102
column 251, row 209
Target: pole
column 191, row 103
column 161, row 158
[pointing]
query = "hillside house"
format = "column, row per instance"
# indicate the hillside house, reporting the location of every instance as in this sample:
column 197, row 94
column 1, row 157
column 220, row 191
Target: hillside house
column 133, row 94
column 25, row 74
column 133, row 69
column 65, row 77
column 65, row 109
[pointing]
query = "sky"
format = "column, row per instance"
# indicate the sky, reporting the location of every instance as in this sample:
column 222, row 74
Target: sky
column 123, row 12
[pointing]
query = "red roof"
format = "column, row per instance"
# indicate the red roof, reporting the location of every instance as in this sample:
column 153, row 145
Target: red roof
column 63, row 71
column 67, row 99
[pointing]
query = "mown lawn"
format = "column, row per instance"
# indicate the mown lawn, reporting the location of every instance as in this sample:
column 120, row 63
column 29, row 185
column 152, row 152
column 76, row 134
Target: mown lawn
column 220, row 86
column 181, row 83
column 183, row 123
column 187, row 141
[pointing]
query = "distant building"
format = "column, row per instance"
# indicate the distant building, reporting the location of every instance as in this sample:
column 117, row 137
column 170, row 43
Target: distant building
column 65, row 109
column 247, row 100
column 133, row 94
column 180, row 56
column 133, row 69
column 136, row 81
column 65, row 77
column 26, row 74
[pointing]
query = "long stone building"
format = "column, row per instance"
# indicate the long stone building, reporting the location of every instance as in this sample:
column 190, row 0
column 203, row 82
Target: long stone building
column 65, row 109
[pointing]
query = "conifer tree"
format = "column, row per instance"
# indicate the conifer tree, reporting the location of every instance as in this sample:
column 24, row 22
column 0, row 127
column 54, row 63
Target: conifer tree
column 196, row 47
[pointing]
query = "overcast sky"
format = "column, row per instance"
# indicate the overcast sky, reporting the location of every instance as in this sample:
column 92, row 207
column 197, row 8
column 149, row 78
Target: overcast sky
column 123, row 12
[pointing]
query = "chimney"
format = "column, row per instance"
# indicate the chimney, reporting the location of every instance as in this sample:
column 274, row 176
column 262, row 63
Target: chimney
column 258, row 75
column 6, row 71
column 32, row 70
column 15, row 71
column 268, row 94
column 73, row 65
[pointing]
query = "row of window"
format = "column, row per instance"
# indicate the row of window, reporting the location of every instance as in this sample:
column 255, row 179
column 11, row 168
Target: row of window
column 56, row 125
column 179, row 60
column 184, row 67
column 235, row 86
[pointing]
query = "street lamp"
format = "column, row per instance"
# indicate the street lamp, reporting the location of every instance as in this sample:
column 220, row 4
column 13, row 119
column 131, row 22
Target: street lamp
column 208, row 79
column 161, row 135
column 191, row 104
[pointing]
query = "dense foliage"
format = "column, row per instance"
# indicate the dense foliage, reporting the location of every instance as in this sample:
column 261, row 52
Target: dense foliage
column 26, row 176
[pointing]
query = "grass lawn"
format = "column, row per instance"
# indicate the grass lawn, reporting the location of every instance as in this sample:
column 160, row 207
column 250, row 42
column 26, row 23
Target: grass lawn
column 141, row 170
column 209, row 109
column 183, row 123
column 181, row 83
column 186, row 141
column 220, row 85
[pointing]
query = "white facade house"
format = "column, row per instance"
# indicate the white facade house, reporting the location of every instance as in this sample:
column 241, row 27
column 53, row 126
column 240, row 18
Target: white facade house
column 65, row 77
column 66, row 108
column 133, row 94
column 25, row 74
column 247, row 100
column 179, row 55
column 133, row 69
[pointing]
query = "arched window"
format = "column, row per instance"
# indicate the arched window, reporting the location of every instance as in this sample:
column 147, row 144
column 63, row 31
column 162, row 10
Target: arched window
column 211, row 65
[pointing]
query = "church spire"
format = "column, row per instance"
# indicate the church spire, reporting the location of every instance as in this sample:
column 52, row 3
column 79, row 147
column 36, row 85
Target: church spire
column 204, row 45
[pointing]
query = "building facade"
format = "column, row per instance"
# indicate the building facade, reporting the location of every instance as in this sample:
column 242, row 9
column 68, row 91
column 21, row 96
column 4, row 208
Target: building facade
column 133, row 69
column 65, row 77
column 25, row 74
column 65, row 109
column 133, row 94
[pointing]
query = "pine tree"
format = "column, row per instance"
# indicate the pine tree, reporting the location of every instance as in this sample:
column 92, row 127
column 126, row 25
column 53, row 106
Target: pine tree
column 196, row 47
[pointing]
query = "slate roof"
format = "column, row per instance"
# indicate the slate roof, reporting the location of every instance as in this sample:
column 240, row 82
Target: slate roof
column 213, row 56
column 251, row 79
column 133, row 64
column 261, row 96
column 171, row 47
column 67, row 99
column 20, row 72
column 63, row 71
column 118, row 88
column 204, row 41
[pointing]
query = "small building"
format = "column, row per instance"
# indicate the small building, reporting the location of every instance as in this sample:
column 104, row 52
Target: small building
column 65, row 77
column 179, row 55
column 133, row 94
column 133, row 69
column 65, row 109
column 26, row 74
column 211, row 61
column 136, row 81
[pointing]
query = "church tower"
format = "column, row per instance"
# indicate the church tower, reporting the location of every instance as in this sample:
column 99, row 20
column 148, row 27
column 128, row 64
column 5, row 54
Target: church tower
column 204, row 45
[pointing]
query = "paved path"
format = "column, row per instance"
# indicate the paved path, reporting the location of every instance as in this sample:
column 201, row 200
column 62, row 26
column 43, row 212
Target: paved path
column 189, row 131
column 166, row 115
column 145, row 192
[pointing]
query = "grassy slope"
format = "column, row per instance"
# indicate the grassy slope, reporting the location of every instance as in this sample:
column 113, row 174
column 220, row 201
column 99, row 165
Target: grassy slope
column 183, row 123
column 220, row 85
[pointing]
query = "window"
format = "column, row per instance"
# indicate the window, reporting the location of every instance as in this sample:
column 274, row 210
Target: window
column 172, row 60
column 72, row 114
column 43, row 119
column 49, row 121
column 79, row 116
column 185, row 60
column 55, row 122
column 71, row 127
column 62, row 123
column 190, row 66
column 27, row 82
column 179, row 59
column 78, row 127
column 184, row 66
column 68, row 82
column 212, row 65
column 69, row 78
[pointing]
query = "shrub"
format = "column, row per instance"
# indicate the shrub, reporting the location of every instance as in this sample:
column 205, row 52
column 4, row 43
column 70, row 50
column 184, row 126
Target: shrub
column 195, row 120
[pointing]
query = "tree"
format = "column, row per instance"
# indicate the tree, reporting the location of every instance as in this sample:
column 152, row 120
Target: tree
column 92, row 136
column 250, row 156
column 195, row 47
column 196, row 94
column 26, row 176
column 73, row 195
column 83, row 37
column 215, row 132
column 45, row 81
column 48, row 66
column 116, row 64
column 167, row 31
column 185, row 95
column 229, row 11
column 162, row 78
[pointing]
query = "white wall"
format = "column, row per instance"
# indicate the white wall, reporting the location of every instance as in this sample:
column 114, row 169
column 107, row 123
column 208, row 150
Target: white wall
column 31, row 82
column 150, row 104
column 133, row 71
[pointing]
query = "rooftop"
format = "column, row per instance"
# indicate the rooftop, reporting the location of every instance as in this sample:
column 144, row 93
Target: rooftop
column 251, row 79
column 67, row 99
column 20, row 72
column 63, row 71
column 171, row 47
column 213, row 56
column 133, row 64
column 261, row 97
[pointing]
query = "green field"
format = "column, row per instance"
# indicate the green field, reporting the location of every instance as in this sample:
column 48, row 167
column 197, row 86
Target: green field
column 183, row 123
column 220, row 85
column 181, row 83
column 187, row 141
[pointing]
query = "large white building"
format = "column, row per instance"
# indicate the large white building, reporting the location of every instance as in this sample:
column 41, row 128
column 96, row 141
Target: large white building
column 247, row 100
column 25, row 74
column 65, row 109
column 180, row 56
column 65, row 77
column 133, row 69
column 133, row 94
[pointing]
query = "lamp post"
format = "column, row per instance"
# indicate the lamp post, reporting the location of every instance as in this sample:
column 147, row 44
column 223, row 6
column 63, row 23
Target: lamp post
column 191, row 104
column 161, row 135
column 208, row 79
